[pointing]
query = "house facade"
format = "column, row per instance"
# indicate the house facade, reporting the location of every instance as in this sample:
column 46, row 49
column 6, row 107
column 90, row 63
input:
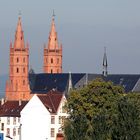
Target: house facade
column 43, row 117
column 10, row 126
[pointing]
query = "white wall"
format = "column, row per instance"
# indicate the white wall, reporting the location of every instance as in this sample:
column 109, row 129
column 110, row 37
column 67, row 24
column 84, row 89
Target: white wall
column 35, row 120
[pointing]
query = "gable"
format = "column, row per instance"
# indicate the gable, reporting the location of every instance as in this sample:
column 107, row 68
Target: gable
column 34, row 106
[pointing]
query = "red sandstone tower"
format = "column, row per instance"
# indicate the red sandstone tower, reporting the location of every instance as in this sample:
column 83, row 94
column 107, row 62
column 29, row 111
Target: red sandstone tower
column 17, row 87
column 53, row 53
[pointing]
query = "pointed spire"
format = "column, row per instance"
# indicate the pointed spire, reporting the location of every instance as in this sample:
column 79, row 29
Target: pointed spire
column 70, row 82
column 105, row 64
column 53, row 42
column 19, row 36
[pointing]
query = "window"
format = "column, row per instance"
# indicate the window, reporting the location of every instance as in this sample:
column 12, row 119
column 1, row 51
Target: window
column 8, row 120
column 17, row 70
column 52, row 132
column 23, row 82
column 57, row 70
column 23, row 70
column 52, row 119
column 51, row 60
column 18, row 120
column 51, row 71
column 14, row 132
column 14, row 120
column 17, row 59
column 2, row 126
column 18, row 131
column 57, row 60
column 46, row 60
column 8, row 132
column 59, row 120
column 24, row 59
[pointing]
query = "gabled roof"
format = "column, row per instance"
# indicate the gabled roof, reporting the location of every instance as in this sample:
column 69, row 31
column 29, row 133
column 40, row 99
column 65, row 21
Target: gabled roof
column 12, row 108
column 51, row 100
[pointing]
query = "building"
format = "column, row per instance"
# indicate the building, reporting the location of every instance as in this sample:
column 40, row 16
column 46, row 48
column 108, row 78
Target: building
column 23, row 84
column 43, row 117
column 17, row 86
column 10, row 126
column 53, row 53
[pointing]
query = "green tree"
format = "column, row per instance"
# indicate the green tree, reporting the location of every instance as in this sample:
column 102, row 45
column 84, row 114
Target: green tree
column 91, row 110
column 127, row 123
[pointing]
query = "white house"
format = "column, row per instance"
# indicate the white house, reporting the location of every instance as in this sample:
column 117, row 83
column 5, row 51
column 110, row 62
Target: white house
column 10, row 127
column 43, row 116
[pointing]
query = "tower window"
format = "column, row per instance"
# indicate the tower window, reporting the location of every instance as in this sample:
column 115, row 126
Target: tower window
column 23, row 70
column 51, row 71
column 51, row 60
column 46, row 60
column 24, row 59
column 57, row 60
column 17, row 70
column 17, row 59
column 23, row 82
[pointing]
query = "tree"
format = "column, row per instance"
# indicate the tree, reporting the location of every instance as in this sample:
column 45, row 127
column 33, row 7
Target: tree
column 127, row 122
column 90, row 107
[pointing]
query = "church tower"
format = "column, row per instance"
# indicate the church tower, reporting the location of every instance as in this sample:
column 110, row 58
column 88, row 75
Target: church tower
column 53, row 53
column 17, row 87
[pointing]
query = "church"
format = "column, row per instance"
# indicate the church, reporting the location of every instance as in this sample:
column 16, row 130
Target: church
column 23, row 83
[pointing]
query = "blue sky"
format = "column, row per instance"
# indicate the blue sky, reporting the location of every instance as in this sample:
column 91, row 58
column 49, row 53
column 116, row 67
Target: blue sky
column 84, row 28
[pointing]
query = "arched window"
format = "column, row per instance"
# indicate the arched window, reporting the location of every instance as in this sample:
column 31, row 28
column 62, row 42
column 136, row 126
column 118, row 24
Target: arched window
column 17, row 70
column 57, row 60
column 51, row 71
column 23, row 70
column 51, row 60
column 17, row 59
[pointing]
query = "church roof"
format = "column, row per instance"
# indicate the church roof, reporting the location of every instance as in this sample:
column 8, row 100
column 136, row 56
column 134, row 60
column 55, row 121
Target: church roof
column 43, row 83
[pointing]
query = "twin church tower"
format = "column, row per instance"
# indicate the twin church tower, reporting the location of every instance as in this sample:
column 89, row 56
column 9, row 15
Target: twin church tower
column 17, row 86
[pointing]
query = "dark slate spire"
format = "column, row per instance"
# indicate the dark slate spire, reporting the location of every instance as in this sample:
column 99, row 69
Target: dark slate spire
column 105, row 71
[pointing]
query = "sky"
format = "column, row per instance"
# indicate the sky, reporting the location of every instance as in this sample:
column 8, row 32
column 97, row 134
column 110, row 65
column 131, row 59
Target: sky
column 84, row 27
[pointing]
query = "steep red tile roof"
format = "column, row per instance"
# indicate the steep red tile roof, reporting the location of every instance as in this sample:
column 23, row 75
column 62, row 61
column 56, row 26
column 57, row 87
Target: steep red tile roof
column 51, row 100
column 12, row 108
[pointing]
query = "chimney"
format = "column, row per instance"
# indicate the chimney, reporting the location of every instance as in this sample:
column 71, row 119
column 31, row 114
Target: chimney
column 2, row 101
column 20, row 102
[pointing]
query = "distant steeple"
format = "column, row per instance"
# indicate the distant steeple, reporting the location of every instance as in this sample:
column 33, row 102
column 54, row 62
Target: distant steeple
column 53, row 52
column 19, row 35
column 70, row 82
column 105, row 64
column 53, row 41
